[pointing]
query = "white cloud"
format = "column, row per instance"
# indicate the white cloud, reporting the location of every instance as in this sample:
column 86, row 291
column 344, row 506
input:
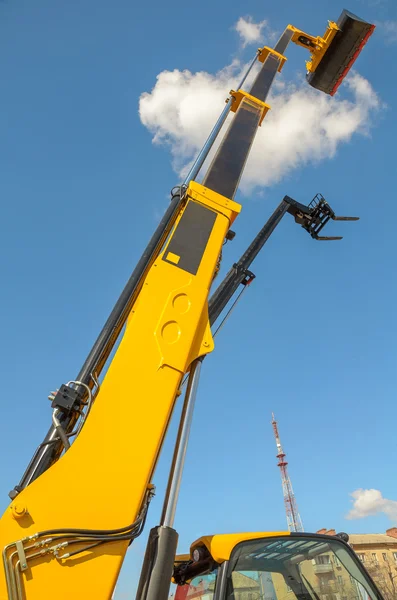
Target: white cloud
column 182, row 108
column 389, row 30
column 251, row 32
column 304, row 126
column 371, row 502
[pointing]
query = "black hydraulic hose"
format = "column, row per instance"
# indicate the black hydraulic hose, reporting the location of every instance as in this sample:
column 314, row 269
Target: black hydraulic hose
column 62, row 436
column 90, row 532
column 48, row 452
column 93, row 532
column 80, row 550
column 139, row 522
column 103, row 538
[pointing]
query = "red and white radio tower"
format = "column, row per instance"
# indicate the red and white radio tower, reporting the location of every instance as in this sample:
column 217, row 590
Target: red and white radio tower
column 293, row 517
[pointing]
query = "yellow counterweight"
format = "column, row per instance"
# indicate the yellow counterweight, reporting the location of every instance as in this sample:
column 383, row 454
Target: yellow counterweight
column 102, row 480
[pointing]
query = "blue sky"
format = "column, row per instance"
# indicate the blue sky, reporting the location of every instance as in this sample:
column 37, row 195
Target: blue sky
column 82, row 187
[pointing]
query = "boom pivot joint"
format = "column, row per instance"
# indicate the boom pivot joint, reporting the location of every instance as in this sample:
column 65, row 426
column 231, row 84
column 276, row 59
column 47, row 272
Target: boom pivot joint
column 317, row 46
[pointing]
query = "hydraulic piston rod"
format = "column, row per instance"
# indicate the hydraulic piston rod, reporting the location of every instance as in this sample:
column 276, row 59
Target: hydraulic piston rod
column 158, row 563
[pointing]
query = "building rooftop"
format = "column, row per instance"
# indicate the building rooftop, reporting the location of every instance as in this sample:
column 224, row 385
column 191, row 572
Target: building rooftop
column 371, row 538
column 361, row 539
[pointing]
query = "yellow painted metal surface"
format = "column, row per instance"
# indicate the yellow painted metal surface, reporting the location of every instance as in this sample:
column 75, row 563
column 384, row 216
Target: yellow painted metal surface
column 321, row 43
column 174, row 258
column 264, row 52
column 100, row 482
column 240, row 94
column 213, row 200
column 221, row 546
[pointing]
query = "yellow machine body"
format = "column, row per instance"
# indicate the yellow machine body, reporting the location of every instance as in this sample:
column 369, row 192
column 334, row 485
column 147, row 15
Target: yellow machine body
column 101, row 481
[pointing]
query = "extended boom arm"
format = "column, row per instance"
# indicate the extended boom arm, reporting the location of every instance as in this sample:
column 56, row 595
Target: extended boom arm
column 312, row 218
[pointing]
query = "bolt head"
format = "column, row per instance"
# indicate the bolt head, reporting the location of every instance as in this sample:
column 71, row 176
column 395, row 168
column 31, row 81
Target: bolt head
column 18, row 510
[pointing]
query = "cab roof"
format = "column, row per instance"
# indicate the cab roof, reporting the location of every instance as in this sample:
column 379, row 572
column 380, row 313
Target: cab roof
column 220, row 546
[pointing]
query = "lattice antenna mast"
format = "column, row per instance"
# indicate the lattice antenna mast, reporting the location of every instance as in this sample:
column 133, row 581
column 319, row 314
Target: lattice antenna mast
column 294, row 520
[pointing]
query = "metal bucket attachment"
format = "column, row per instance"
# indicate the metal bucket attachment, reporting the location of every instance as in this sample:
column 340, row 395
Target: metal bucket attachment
column 342, row 52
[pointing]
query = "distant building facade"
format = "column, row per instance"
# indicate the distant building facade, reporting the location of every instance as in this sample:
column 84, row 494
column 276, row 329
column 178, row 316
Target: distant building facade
column 378, row 553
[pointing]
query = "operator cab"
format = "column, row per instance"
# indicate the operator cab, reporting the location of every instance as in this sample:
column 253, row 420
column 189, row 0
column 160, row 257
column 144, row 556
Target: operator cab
column 272, row 566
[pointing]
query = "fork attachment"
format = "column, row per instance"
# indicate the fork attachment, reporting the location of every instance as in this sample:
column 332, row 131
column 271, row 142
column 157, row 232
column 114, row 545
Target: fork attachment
column 315, row 216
